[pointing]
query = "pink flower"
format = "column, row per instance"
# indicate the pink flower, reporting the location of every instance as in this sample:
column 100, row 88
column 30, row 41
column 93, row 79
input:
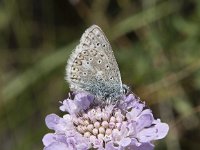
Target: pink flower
column 126, row 125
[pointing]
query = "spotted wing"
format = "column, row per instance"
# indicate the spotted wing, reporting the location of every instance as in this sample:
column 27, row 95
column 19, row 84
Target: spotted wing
column 92, row 66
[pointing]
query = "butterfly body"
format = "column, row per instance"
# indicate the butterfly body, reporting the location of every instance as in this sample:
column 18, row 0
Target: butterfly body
column 92, row 66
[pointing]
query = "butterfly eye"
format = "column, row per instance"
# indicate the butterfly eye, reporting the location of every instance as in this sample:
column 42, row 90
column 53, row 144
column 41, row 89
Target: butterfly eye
column 84, row 73
column 90, row 59
column 126, row 89
column 88, row 62
column 98, row 44
column 104, row 45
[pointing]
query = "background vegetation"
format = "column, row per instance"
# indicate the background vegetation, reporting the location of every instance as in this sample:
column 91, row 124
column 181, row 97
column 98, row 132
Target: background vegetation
column 156, row 44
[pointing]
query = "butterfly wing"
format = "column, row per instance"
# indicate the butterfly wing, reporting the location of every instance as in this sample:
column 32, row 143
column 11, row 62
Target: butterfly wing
column 92, row 66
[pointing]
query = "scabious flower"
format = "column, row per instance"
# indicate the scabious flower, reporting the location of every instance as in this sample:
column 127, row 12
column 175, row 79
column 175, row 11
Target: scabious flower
column 127, row 125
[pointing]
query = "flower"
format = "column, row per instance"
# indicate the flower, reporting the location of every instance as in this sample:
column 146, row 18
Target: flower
column 125, row 125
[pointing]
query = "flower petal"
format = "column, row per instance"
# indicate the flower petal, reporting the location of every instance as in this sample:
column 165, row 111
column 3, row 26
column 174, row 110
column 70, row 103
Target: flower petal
column 128, row 102
column 48, row 139
column 52, row 120
column 143, row 146
column 156, row 132
column 83, row 100
column 110, row 146
column 57, row 146
column 144, row 121
column 69, row 106
column 135, row 111
column 64, row 125
column 133, row 126
column 125, row 142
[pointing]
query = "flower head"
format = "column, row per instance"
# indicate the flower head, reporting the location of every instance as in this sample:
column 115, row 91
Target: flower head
column 125, row 125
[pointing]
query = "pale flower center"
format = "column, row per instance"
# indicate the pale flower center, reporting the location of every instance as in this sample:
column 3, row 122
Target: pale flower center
column 100, row 123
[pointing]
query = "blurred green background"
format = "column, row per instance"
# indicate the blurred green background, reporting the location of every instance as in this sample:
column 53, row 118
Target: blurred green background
column 156, row 44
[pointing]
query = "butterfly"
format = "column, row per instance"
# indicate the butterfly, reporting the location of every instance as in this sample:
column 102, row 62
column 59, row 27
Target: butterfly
column 93, row 68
